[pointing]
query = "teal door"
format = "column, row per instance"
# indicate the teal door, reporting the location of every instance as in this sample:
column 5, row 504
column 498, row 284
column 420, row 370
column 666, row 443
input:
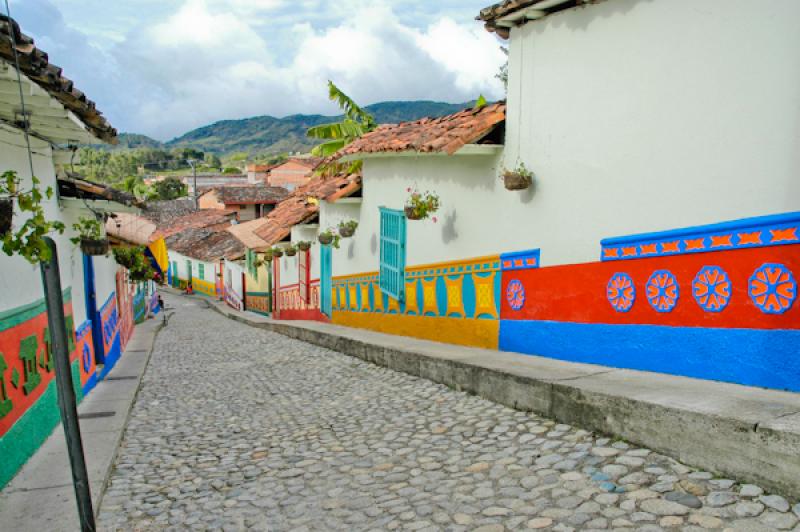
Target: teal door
column 325, row 267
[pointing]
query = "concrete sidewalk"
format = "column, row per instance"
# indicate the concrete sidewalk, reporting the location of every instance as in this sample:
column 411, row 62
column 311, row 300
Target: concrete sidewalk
column 41, row 497
column 751, row 434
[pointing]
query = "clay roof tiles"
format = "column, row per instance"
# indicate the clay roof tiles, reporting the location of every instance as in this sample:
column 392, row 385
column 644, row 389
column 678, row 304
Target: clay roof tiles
column 206, row 244
column 246, row 233
column 303, row 204
column 446, row 134
column 211, row 219
column 249, row 194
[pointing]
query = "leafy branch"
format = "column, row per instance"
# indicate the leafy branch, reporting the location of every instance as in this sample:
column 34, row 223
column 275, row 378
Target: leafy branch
column 28, row 240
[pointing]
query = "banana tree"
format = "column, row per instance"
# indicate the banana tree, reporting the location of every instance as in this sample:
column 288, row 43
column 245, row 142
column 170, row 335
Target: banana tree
column 337, row 135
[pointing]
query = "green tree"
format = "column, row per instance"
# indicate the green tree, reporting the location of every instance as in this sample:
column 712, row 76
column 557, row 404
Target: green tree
column 213, row 161
column 170, row 188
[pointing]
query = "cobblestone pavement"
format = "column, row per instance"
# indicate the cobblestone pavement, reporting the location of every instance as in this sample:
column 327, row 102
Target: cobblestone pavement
column 237, row 428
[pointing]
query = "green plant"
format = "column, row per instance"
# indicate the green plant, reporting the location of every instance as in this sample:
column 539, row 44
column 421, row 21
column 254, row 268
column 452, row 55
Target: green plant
column 421, row 205
column 133, row 259
column 337, row 135
column 88, row 228
column 519, row 178
column 329, row 236
column 304, row 245
column 347, row 228
column 28, row 241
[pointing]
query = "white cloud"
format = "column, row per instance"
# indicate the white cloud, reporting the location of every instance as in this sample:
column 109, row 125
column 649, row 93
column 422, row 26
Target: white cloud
column 203, row 61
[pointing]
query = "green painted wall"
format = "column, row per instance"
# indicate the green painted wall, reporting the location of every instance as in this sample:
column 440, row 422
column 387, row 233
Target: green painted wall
column 32, row 429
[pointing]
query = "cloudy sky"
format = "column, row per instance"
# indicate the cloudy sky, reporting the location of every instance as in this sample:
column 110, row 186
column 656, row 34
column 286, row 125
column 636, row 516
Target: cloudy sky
column 162, row 67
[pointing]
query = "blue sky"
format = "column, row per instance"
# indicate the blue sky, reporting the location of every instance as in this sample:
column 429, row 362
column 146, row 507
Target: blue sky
column 162, row 67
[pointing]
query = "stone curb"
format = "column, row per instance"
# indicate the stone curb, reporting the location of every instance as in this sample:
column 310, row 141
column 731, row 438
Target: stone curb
column 750, row 434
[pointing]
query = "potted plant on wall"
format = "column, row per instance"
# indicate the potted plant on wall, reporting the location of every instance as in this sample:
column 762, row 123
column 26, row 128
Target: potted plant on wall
column 90, row 236
column 421, row 205
column 304, row 245
column 277, row 252
column 347, row 228
column 519, row 178
column 268, row 255
column 291, row 251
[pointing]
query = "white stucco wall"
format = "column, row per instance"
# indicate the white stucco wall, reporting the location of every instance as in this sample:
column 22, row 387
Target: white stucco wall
column 20, row 282
column 209, row 268
column 472, row 198
column 641, row 115
column 233, row 276
column 309, row 233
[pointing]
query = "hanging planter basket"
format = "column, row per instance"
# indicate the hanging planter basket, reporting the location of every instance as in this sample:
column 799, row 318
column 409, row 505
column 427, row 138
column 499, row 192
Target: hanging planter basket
column 6, row 213
column 516, row 180
column 346, row 232
column 277, row 253
column 291, row 252
column 94, row 247
column 411, row 213
column 325, row 239
column 268, row 255
column 304, row 246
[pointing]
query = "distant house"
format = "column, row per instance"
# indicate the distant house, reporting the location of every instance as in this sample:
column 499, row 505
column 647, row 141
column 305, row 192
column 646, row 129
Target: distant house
column 207, row 181
column 248, row 201
column 293, row 172
column 258, row 173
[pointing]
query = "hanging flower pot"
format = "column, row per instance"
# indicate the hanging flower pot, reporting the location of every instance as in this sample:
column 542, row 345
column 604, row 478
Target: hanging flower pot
column 304, row 245
column 268, row 255
column 412, row 213
column 94, row 247
column 348, row 228
column 519, row 178
column 6, row 213
column 277, row 253
column 291, row 251
column 421, row 205
column 325, row 238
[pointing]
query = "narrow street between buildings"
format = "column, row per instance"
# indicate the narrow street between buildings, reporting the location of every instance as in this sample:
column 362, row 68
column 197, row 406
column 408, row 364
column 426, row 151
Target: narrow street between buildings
column 237, row 428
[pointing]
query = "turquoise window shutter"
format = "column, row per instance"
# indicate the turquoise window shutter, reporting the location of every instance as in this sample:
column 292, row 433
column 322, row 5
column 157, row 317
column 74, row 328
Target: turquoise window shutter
column 393, row 253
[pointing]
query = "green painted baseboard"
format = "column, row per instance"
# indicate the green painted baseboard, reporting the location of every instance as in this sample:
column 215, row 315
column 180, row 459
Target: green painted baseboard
column 32, row 429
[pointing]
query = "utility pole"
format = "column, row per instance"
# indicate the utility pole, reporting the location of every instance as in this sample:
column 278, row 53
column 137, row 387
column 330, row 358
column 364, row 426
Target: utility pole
column 51, row 279
column 194, row 185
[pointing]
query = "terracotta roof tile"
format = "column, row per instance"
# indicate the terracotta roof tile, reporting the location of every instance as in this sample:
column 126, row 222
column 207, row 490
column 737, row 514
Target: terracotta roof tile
column 206, row 244
column 212, row 219
column 246, row 233
column 297, row 208
column 249, row 194
column 446, row 134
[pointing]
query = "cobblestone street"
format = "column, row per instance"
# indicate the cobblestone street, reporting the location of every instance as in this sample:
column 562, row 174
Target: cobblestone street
column 237, row 428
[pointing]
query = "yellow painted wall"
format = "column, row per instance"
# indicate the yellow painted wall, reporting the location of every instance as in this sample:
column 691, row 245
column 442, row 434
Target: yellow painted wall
column 454, row 302
column 471, row 332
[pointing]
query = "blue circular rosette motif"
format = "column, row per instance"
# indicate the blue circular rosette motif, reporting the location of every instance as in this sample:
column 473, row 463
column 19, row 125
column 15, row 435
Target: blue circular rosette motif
column 662, row 291
column 515, row 294
column 620, row 292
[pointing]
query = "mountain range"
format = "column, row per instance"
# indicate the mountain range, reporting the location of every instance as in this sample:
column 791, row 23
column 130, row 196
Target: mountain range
column 268, row 134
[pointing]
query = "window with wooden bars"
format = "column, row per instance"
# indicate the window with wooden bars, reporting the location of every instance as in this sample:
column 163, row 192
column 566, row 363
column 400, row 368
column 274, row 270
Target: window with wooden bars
column 304, row 275
column 393, row 253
